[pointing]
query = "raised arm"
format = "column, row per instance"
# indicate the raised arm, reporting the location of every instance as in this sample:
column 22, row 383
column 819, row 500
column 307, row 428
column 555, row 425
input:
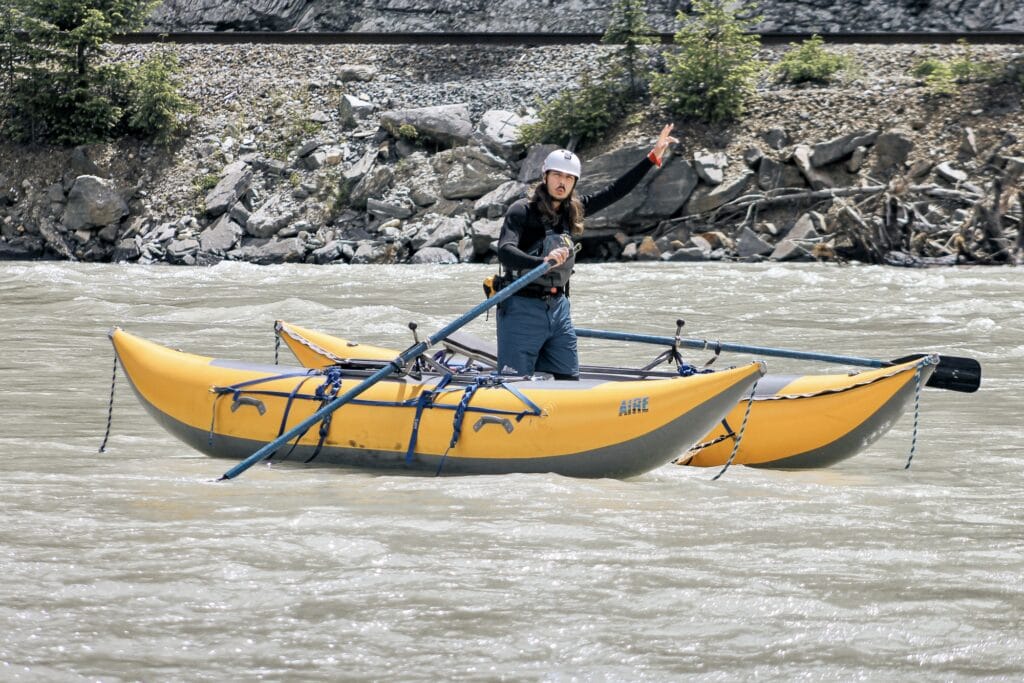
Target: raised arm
column 618, row 189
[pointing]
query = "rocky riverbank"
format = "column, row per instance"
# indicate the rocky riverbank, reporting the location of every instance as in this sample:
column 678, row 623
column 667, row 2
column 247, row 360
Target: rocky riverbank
column 373, row 154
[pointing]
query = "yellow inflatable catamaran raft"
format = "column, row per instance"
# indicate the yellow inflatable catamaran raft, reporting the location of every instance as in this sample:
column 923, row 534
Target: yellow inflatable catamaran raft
column 796, row 421
column 431, row 423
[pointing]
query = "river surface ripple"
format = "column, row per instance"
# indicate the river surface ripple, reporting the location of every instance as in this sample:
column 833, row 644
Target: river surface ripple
column 133, row 565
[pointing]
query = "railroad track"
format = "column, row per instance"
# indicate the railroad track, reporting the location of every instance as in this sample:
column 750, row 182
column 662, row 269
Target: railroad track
column 538, row 39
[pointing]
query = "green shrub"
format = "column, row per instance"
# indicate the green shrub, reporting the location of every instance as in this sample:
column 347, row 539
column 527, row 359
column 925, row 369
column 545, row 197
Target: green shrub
column 810, row 62
column 713, row 71
column 156, row 110
column 937, row 75
column 204, row 183
column 942, row 77
column 579, row 115
column 926, row 67
column 408, row 131
column 967, row 68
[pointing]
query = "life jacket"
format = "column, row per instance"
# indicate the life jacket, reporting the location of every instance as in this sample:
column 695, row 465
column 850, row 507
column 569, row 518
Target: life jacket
column 559, row 275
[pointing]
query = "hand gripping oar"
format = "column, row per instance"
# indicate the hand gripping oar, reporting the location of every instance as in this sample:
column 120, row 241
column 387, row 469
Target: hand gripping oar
column 953, row 372
column 397, row 364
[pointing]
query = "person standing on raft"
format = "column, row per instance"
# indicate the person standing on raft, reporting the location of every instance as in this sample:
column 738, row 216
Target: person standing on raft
column 535, row 330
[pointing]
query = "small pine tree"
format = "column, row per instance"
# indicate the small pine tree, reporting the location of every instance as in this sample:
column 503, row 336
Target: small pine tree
column 156, row 108
column 713, row 72
column 810, row 62
column 937, row 75
column 943, row 77
column 628, row 27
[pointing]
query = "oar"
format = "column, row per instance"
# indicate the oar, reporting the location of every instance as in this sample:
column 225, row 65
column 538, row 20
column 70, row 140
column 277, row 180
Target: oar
column 953, row 372
column 403, row 358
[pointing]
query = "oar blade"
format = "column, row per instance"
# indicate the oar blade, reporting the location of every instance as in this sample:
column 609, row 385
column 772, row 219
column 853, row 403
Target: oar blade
column 955, row 373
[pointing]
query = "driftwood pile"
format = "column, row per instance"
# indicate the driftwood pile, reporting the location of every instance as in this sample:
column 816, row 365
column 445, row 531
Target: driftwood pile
column 897, row 212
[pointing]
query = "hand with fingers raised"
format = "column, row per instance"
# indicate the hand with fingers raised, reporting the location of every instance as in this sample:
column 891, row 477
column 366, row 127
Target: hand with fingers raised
column 661, row 146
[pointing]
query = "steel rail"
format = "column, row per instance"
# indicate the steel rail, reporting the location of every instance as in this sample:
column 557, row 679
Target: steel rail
column 538, row 39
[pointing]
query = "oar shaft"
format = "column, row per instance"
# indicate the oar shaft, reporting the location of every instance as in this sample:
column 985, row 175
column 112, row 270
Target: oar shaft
column 403, row 358
column 733, row 348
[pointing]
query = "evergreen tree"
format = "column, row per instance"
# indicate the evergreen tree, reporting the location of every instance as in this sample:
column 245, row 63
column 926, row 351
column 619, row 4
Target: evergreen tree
column 59, row 85
column 713, row 72
column 628, row 27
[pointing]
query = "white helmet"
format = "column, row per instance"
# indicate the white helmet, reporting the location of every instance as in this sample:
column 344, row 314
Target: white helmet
column 562, row 160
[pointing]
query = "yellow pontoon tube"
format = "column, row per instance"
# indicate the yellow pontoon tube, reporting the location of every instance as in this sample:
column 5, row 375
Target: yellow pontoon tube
column 463, row 425
column 804, row 421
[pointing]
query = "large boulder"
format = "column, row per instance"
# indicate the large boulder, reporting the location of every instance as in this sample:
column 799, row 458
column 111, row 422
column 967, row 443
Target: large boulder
column 815, row 177
column 470, row 172
column 374, row 184
column 892, row 148
column 710, row 166
column 433, row 255
column 800, row 239
column 269, row 251
column 126, row 250
column 605, row 169
column 359, row 169
column 21, row 248
column 446, row 124
column 355, row 72
column 93, row 202
column 351, row 109
column 841, row 147
column 484, row 234
column 709, row 199
column 182, row 252
column 270, row 218
column 668, row 189
column 234, row 182
column 496, row 202
column 498, row 131
column 222, row 236
column 437, row 231
column 773, row 175
column 393, row 206
column 750, row 244
column 375, row 252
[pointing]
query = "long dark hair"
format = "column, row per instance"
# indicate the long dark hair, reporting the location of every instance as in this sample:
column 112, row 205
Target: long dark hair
column 570, row 210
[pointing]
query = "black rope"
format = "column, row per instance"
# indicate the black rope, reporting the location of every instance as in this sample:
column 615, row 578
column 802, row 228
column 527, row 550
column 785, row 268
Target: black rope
column 739, row 438
column 729, row 434
column 277, row 347
column 440, row 465
column 917, row 416
column 110, row 406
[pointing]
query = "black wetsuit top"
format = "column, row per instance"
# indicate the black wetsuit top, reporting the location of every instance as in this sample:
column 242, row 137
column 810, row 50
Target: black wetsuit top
column 524, row 225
